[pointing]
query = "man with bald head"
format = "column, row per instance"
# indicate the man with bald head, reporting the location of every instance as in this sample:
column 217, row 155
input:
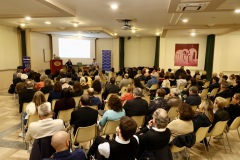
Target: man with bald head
column 60, row 141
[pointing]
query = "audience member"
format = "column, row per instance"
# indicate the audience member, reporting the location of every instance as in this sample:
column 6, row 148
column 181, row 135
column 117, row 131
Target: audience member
column 193, row 99
column 125, row 81
column 204, row 116
column 123, row 147
column 48, row 87
column 46, row 126
column 234, row 108
column 77, row 89
column 224, row 92
column 137, row 83
column 110, row 88
column 94, row 100
column 137, row 106
column 21, row 85
column 26, row 94
column 56, row 92
column 214, row 84
column 173, row 99
column 182, row 80
column 41, row 83
column 97, row 86
column 155, row 136
column 65, row 102
column 128, row 95
column 184, row 124
column 153, row 80
column 172, row 80
column 84, row 115
column 60, row 142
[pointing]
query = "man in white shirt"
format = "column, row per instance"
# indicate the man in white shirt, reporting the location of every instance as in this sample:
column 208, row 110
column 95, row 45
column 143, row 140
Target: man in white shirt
column 46, row 126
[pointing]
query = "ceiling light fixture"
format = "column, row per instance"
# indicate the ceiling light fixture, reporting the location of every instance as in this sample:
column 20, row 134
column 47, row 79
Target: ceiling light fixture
column 115, row 34
column 157, row 33
column 75, row 24
column 22, row 24
column 193, row 34
column 133, row 30
column 28, row 18
column 185, row 20
column 48, row 22
column 114, row 6
column 237, row 11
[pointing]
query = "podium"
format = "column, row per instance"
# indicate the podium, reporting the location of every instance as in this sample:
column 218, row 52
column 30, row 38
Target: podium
column 55, row 64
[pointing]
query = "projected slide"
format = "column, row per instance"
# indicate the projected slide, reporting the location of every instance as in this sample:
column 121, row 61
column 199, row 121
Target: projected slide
column 74, row 48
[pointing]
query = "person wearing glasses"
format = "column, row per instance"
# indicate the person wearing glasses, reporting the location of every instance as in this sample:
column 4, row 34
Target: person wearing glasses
column 234, row 108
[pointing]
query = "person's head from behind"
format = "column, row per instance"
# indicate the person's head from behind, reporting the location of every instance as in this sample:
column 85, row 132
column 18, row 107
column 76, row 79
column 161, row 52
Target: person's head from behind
column 160, row 118
column 115, row 103
column 47, row 82
column 112, row 80
column 224, row 85
column 206, row 107
column 38, row 98
column 193, row 90
column 215, row 79
column 129, row 89
column 193, row 81
column 236, row 98
column 44, row 111
column 57, row 87
column 186, row 112
column 90, row 91
column 43, row 77
column 161, row 93
column 220, row 103
column 127, row 128
column 137, row 92
column 224, row 78
column 175, row 92
column 66, row 93
column 29, row 83
column 48, row 71
column 60, row 141
column 126, row 75
column 76, row 86
column 85, row 100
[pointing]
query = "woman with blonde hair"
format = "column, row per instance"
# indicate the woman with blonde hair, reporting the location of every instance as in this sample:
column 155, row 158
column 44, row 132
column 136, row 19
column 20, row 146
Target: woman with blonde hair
column 204, row 115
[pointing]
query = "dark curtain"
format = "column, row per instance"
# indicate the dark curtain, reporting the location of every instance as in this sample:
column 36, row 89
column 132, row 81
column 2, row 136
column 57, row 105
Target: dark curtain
column 156, row 60
column 121, row 52
column 209, row 55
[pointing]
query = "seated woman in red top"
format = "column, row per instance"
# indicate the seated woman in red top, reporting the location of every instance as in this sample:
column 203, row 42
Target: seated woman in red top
column 66, row 102
column 128, row 95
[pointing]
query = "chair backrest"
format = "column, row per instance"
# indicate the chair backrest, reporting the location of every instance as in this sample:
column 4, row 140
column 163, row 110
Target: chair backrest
column 139, row 120
column 77, row 99
column 124, row 89
column 172, row 113
column 194, row 107
column 201, row 133
column 94, row 107
column 154, row 87
column 32, row 118
column 85, row 91
column 46, row 95
column 204, row 93
column 206, row 84
column 85, row 134
column 24, row 106
column 65, row 115
column 118, row 79
column 110, row 127
column 235, row 124
column 214, row 92
column 147, row 98
column 218, row 128
column 182, row 86
column 53, row 103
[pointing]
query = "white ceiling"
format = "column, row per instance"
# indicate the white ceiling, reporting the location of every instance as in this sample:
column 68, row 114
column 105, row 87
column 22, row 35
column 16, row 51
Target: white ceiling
column 97, row 19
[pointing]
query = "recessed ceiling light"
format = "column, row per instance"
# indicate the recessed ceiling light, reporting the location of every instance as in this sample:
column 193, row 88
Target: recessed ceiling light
column 22, row 24
column 237, row 11
column 75, row 24
column 133, row 30
column 48, row 22
column 193, row 34
column 115, row 34
column 28, row 18
column 114, row 6
column 157, row 33
column 185, row 20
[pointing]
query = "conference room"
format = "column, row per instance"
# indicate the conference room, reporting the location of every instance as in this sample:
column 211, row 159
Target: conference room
column 200, row 35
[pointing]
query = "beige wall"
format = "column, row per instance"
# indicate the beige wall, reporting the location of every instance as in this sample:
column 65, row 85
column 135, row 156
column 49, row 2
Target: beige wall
column 139, row 52
column 40, row 43
column 227, row 54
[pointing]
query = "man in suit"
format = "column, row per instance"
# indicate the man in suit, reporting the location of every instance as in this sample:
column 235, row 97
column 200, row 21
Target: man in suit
column 84, row 115
column 224, row 92
column 110, row 88
column 137, row 106
column 26, row 94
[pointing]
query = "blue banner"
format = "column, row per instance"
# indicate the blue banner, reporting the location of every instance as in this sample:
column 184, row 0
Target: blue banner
column 106, row 60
